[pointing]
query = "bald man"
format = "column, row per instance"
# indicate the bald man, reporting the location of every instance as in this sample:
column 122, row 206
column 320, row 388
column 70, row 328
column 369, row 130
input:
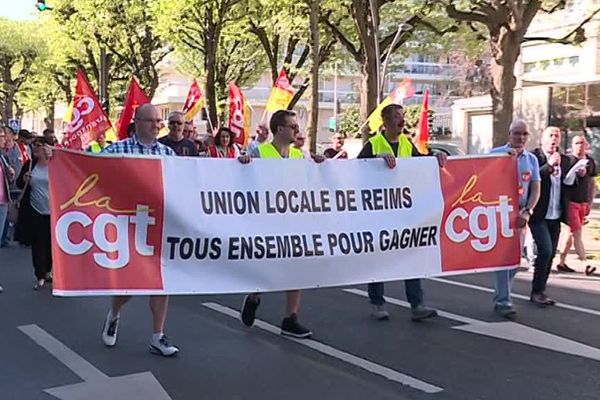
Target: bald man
column 143, row 142
column 529, row 193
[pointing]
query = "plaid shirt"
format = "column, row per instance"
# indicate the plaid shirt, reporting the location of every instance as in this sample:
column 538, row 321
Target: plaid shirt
column 133, row 146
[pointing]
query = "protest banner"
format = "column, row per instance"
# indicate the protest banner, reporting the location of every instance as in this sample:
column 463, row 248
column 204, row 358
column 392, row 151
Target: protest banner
column 165, row 226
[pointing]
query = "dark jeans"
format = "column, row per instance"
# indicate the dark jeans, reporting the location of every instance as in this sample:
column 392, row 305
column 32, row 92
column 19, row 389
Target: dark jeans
column 414, row 292
column 545, row 234
column 41, row 245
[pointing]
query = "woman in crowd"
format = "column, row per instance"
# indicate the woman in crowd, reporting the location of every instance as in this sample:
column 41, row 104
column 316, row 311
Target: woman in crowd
column 224, row 146
column 34, row 209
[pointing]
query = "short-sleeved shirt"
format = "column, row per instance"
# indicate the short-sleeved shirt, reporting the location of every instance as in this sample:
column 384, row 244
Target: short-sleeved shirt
column 40, row 198
column 529, row 171
column 133, row 146
column 183, row 147
column 580, row 192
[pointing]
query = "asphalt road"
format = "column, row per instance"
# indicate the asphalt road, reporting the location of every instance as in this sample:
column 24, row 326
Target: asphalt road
column 351, row 355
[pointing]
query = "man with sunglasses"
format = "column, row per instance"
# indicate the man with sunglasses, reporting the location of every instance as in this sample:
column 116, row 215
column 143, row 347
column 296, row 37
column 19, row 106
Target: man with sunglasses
column 176, row 139
column 142, row 142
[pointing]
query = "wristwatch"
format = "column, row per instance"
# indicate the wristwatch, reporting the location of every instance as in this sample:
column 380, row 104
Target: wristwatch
column 528, row 211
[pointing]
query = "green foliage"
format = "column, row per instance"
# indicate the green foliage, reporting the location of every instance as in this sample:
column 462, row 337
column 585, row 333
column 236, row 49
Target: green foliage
column 350, row 121
column 20, row 46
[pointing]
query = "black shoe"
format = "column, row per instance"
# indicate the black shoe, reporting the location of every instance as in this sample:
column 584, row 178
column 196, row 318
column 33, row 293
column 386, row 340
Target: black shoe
column 589, row 270
column 291, row 327
column 249, row 307
column 541, row 299
column 564, row 268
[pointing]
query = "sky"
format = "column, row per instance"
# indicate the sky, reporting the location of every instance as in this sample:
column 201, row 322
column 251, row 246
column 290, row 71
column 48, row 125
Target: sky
column 17, row 9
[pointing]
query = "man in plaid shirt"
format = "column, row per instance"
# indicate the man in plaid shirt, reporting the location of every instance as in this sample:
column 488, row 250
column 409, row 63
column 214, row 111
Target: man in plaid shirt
column 142, row 142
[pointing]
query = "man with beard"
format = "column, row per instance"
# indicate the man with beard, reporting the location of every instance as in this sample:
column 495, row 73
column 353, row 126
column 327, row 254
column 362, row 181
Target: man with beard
column 389, row 145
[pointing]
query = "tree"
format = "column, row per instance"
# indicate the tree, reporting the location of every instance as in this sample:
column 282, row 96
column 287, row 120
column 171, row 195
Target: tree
column 362, row 34
column 506, row 23
column 283, row 32
column 210, row 39
column 19, row 48
column 125, row 29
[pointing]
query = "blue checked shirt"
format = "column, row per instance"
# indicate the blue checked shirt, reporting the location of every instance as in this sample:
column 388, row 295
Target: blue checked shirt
column 133, row 146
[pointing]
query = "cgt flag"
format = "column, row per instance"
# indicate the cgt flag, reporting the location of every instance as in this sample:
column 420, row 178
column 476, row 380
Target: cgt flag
column 194, row 102
column 422, row 136
column 135, row 98
column 88, row 119
column 403, row 91
column 281, row 94
column 237, row 114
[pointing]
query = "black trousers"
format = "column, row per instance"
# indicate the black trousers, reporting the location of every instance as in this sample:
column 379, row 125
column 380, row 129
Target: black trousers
column 41, row 244
column 545, row 234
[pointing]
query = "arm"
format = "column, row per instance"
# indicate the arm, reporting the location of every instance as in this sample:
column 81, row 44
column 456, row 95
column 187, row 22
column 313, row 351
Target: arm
column 24, row 175
column 534, row 195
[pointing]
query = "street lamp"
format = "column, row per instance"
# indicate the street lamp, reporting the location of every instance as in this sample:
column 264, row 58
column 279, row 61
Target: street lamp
column 402, row 28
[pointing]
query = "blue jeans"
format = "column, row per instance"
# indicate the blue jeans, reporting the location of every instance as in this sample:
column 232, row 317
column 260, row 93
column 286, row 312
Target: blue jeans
column 503, row 280
column 3, row 219
column 414, row 292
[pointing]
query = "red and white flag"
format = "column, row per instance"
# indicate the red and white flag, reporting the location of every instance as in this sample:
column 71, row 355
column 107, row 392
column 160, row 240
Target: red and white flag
column 194, row 101
column 88, row 119
column 422, row 136
column 237, row 114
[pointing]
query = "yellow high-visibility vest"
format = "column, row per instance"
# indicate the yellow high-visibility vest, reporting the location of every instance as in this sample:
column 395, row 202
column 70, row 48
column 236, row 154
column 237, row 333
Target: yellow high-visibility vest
column 380, row 145
column 268, row 150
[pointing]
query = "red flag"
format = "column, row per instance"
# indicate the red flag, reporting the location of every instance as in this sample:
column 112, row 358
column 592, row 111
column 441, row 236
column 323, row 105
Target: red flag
column 237, row 114
column 194, row 101
column 422, row 137
column 135, row 98
column 88, row 119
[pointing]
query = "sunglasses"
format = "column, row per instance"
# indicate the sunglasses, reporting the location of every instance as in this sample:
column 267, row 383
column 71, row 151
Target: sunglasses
column 175, row 123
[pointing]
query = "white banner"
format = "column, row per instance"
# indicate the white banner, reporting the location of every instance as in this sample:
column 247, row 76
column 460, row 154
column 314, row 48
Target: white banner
column 217, row 226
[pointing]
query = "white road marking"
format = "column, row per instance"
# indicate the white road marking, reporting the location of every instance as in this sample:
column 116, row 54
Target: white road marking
column 516, row 295
column 510, row 331
column 96, row 385
column 338, row 354
column 68, row 357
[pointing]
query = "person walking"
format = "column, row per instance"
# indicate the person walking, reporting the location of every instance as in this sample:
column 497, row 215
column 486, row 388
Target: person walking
column 549, row 212
column 529, row 193
column 143, row 142
column 389, row 145
column 176, row 138
column 36, row 200
column 284, row 126
column 224, row 147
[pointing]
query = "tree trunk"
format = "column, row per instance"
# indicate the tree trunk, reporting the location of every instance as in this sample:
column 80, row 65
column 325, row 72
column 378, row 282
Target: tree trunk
column 49, row 120
column 313, row 123
column 506, row 49
column 368, row 92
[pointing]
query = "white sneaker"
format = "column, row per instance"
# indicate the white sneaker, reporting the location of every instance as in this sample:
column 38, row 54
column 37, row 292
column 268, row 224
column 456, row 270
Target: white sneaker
column 109, row 332
column 379, row 312
column 1, row 289
column 163, row 348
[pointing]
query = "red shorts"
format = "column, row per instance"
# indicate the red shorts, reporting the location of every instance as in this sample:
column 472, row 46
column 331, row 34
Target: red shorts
column 577, row 213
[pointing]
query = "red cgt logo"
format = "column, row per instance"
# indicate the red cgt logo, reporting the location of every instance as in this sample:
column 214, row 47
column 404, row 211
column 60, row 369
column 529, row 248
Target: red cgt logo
column 478, row 225
column 108, row 226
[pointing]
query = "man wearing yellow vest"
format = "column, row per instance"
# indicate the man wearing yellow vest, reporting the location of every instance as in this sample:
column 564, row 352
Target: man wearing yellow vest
column 98, row 145
column 284, row 126
column 389, row 145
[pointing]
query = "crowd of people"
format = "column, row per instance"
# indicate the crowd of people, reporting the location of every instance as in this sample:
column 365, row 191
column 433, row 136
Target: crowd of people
column 554, row 188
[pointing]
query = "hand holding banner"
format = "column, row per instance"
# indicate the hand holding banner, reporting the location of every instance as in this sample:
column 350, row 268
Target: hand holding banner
column 237, row 232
